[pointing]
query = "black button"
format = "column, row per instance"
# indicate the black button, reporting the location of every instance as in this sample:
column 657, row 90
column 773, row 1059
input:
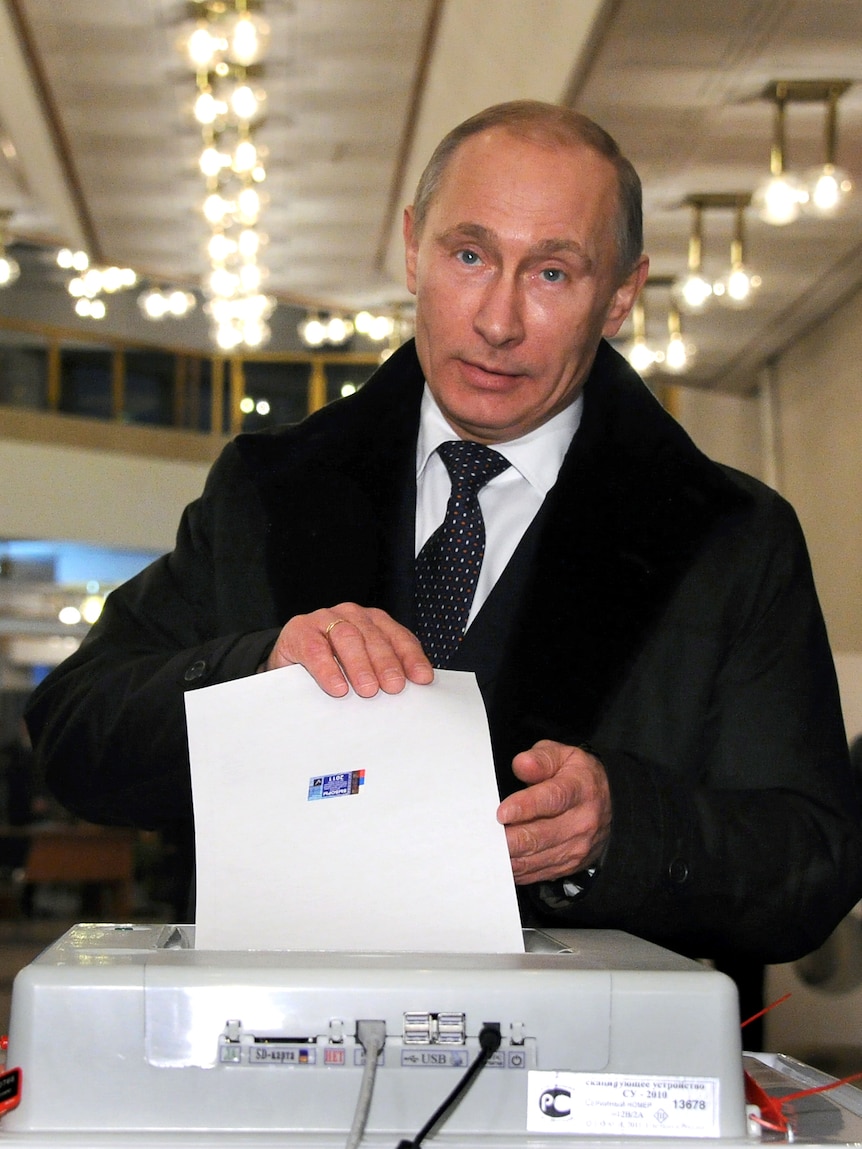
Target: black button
column 195, row 671
column 678, row 871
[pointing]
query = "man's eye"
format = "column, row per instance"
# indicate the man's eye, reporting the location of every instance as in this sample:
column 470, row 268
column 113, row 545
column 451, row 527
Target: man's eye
column 468, row 257
column 553, row 274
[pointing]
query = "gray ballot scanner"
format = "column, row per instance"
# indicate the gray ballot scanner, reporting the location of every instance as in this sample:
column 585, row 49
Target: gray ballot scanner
column 128, row 1035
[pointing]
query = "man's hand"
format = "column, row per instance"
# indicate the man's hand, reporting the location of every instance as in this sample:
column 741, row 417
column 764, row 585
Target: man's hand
column 350, row 645
column 560, row 823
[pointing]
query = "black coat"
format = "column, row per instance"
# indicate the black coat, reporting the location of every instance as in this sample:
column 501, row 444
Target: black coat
column 668, row 619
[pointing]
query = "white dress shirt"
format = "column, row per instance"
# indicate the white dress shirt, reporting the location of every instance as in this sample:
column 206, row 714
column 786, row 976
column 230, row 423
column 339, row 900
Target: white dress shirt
column 509, row 502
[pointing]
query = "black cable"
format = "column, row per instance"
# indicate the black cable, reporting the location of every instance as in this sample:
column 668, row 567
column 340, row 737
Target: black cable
column 489, row 1042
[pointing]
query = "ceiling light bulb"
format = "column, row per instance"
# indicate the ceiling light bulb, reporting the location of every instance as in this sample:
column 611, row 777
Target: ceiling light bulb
column 212, row 161
column 737, row 287
column 215, row 208
column 248, row 243
column 245, row 103
column 676, row 354
column 244, row 156
column 228, row 336
column 92, row 280
column 91, row 608
column 223, row 283
column 113, row 279
column 381, row 327
column 9, row 270
column 255, row 333
column 250, row 276
column 153, row 304
column 220, row 247
column 641, row 357
column 338, row 330
column 828, row 187
column 692, row 291
column 312, row 332
column 180, row 303
column 207, row 108
column 248, row 39
column 248, row 205
column 202, row 48
column 779, row 199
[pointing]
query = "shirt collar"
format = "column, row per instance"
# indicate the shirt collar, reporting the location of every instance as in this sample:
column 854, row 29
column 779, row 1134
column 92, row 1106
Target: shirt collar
column 537, row 456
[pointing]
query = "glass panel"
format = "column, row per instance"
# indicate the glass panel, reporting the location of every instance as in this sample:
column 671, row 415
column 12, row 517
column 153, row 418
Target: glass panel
column 149, row 394
column 194, row 406
column 340, row 376
column 85, row 382
column 23, row 375
column 283, row 386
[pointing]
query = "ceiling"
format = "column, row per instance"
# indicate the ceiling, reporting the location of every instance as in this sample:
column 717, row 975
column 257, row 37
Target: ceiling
column 98, row 147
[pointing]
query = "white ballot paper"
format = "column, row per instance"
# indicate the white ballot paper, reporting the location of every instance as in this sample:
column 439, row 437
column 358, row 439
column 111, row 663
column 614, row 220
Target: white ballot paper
column 350, row 824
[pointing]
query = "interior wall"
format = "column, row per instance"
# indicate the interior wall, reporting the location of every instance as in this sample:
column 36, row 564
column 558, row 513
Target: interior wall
column 817, row 431
column 725, row 427
column 819, row 411
column 98, row 497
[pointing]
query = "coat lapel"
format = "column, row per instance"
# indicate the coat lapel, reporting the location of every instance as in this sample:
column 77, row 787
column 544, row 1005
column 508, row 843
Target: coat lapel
column 338, row 492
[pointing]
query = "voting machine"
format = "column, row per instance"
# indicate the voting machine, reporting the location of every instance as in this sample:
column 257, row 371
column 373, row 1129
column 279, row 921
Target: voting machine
column 129, row 1035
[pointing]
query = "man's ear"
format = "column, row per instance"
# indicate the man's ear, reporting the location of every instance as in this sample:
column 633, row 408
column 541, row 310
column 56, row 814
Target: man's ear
column 624, row 297
column 411, row 245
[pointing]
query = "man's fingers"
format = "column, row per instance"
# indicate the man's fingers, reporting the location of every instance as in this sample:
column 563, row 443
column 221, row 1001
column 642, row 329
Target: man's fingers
column 561, row 820
column 349, row 645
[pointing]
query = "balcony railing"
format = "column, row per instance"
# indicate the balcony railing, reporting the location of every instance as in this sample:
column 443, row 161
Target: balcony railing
column 63, row 371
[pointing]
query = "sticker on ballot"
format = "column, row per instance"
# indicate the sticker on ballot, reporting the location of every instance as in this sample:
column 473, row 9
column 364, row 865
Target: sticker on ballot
column 335, row 785
column 614, row 1104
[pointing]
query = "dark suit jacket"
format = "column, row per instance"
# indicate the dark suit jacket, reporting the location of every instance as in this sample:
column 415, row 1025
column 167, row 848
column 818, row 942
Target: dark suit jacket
column 664, row 613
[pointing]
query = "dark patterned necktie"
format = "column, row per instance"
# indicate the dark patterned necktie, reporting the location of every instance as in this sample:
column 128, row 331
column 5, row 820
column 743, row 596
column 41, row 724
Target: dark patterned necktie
column 447, row 567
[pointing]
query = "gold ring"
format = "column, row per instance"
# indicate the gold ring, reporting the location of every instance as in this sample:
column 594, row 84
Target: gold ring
column 333, row 624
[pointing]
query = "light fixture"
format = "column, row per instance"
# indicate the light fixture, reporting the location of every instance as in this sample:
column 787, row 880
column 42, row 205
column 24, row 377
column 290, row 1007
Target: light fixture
column 166, row 303
column 91, row 282
column 639, row 354
column 783, row 196
column 374, row 327
column 828, row 185
column 228, row 40
column 335, row 330
column 737, row 286
column 678, row 354
column 645, row 355
column 9, row 267
column 693, row 290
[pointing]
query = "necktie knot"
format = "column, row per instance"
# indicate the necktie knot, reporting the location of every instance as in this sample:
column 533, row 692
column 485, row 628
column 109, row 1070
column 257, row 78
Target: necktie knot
column 471, row 465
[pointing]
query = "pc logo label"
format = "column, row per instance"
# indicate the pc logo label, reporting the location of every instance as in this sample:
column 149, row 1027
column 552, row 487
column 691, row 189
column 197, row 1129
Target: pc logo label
column 556, row 1102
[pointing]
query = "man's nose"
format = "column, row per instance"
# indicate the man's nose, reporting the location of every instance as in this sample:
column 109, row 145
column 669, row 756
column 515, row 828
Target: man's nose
column 499, row 318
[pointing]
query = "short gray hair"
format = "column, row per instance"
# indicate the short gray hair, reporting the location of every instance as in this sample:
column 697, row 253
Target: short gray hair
column 553, row 123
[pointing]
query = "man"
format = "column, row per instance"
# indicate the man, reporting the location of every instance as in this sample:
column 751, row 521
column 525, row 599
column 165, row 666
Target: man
column 645, row 631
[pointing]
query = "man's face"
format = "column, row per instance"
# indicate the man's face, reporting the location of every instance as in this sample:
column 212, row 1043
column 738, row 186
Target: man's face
column 515, row 277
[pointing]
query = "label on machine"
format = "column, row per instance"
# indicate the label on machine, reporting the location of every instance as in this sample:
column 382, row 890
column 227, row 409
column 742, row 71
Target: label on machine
column 619, row 1103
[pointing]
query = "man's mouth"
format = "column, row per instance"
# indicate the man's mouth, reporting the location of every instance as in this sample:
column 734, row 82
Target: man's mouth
column 485, row 375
